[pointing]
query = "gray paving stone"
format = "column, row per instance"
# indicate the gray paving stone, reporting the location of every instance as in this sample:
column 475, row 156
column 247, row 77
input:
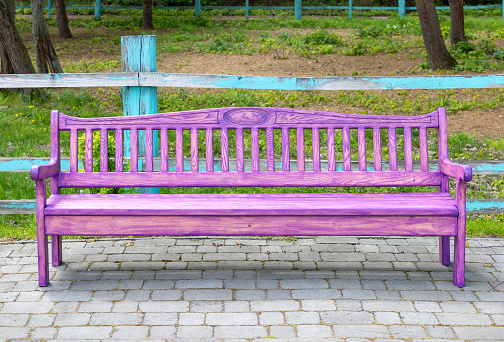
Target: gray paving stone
column 459, row 307
column 160, row 318
column 164, row 306
column 14, row 332
column 407, row 331
column 361, row 331
column 481, row 333
column 13, row 320
column 316, row 294
column 43, row 333
column 231, row 318
column 271, row 318
column 347, row 317
column 318, row 305
column 236, row 306
column 282, row 332
column 162, row 332
column 302, row 317
column 130, row 332
column 166, row 294
column 200, row 284
column 191, row 318
column 125, row 306
column 380, row 305
column 240, row 332
column 208, row 294
column 66, row 319
column 207, row 306
column 423, row 318
column 490, row 307
column 249, row 294
column 198, row 332
column 441, row 332
column 464, row 319
column 387, row 318
column 279, row 294
column 274, row 305
column 426, row 295
column 108, row 295
column 242, row 284
column 116, row 318
column 349, row 305
column 314, row 330
column 27, row 307
column 71, row 333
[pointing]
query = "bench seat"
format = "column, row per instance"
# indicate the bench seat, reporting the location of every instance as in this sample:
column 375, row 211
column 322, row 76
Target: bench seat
column 302, row 204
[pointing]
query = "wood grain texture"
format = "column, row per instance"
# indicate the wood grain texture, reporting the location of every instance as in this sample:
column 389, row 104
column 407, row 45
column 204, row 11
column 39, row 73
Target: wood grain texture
column 179, row 150
column 104, row 150
column 252, row 225
column 316, row 149
column 164, row 165
column 361, row 137
column 240, row 153
column 270, row 149
column 194, row 150
column 88, row 151
column 149, row 150
column 300, row 149
column 377, row 155
column 424, row 150
column 254, row 140
column 119, row 150
column 74, row 151
column 408, row 149
column 224, row 150
column 347, row 161
column 331, row 150
column 134, row 150
column 285, row 150
column 209, row 150
column 392, row 138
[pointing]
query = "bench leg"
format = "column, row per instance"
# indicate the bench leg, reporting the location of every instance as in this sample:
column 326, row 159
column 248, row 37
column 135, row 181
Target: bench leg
column 459, row 257
column 56, row 246
column 444, row 250
column 42, row 243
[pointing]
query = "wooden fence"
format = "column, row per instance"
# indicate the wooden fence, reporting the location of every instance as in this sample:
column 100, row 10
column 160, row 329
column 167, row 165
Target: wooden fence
column 140, row 81
column 298, row 8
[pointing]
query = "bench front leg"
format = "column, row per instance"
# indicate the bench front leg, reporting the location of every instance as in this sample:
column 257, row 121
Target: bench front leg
column 444, row 250
column 460, row 239
column 42, row 247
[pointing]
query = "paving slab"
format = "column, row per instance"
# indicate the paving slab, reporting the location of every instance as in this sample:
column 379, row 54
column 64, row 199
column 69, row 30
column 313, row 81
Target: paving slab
column 345, row 289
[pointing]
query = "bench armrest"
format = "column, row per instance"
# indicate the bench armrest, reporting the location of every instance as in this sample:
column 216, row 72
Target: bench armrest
column 457, row 171
column 40, row 172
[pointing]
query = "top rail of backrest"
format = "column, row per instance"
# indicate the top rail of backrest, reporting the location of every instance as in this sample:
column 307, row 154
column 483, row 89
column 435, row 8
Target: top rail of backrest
column 248, row 117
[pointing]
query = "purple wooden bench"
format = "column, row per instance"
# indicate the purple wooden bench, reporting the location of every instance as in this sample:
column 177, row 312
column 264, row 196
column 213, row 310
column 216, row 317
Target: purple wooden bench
column 222, row 131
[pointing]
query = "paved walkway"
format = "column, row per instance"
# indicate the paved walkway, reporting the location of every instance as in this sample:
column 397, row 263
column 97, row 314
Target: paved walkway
column 325, row 288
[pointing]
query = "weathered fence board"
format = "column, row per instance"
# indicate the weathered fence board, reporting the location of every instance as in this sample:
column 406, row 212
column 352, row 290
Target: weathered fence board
column 159, row 79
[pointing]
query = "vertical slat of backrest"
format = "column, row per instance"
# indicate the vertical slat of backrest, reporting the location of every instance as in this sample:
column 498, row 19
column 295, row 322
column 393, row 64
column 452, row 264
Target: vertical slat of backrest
column 179, row 150
column 316, row 149
column 285, row 149
column 240, row 162
column 164, row 150
column 103, row 150
column 134, row 150
column 377, row 149
column 347, row 158
column 255, row 149
column 270, row 149
column 443, row 146
column 392, row 139
column 209, row 150
column 88, row 153
column 361, row 137
column 300, row 149
column 149, row 153
column 408, row 149
column 74, row 150
column 119, row 150
column 424, row 150
column 224, row 150
column 331, row 150
column 194, row 150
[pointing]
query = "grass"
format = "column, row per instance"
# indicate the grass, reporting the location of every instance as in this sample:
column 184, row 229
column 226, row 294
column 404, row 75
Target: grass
column 24, row 123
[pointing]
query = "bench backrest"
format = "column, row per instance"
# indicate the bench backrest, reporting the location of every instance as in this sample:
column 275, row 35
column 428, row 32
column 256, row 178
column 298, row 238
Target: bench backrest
column 273, row 135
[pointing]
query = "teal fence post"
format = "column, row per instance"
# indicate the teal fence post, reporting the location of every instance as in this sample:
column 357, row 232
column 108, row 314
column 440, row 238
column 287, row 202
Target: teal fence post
column 49, row 8
column 298, row 9
column 139, row 54
column 197, row 8
column 97, row 10
column 247, row 8
column 349, row 9
column 402, row 7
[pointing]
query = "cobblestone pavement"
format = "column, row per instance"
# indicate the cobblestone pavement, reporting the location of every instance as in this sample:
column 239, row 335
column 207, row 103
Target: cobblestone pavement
column 307, row 289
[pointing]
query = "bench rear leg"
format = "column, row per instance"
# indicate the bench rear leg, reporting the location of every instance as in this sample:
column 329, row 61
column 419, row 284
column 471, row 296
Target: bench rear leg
column 56, row 246
column 444, row 250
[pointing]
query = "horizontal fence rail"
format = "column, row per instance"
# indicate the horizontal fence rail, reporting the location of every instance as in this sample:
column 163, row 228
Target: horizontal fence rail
column 474, row 206
column 161, row 79
column 297, row 7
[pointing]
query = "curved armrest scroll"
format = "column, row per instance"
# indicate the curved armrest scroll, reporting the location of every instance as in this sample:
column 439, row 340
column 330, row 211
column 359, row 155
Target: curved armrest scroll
column 40, row 172
column 458, row 171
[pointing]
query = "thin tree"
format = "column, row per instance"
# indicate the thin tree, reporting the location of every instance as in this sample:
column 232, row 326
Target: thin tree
column 45, row 55
column 62, row 20
column 5, row 64
column 147, row 15
column 457, row 31
column 437, row 53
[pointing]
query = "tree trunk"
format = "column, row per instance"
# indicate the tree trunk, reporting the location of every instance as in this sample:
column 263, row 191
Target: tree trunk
column 147, row 15
column 62, row 19
column 438, row 55
column 14, row 48
column 5, row 64
column 44, row 50
column 457, row 32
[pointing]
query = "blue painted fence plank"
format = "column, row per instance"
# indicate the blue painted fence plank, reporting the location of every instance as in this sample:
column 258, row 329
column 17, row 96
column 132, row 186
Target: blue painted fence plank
column 159, row 79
